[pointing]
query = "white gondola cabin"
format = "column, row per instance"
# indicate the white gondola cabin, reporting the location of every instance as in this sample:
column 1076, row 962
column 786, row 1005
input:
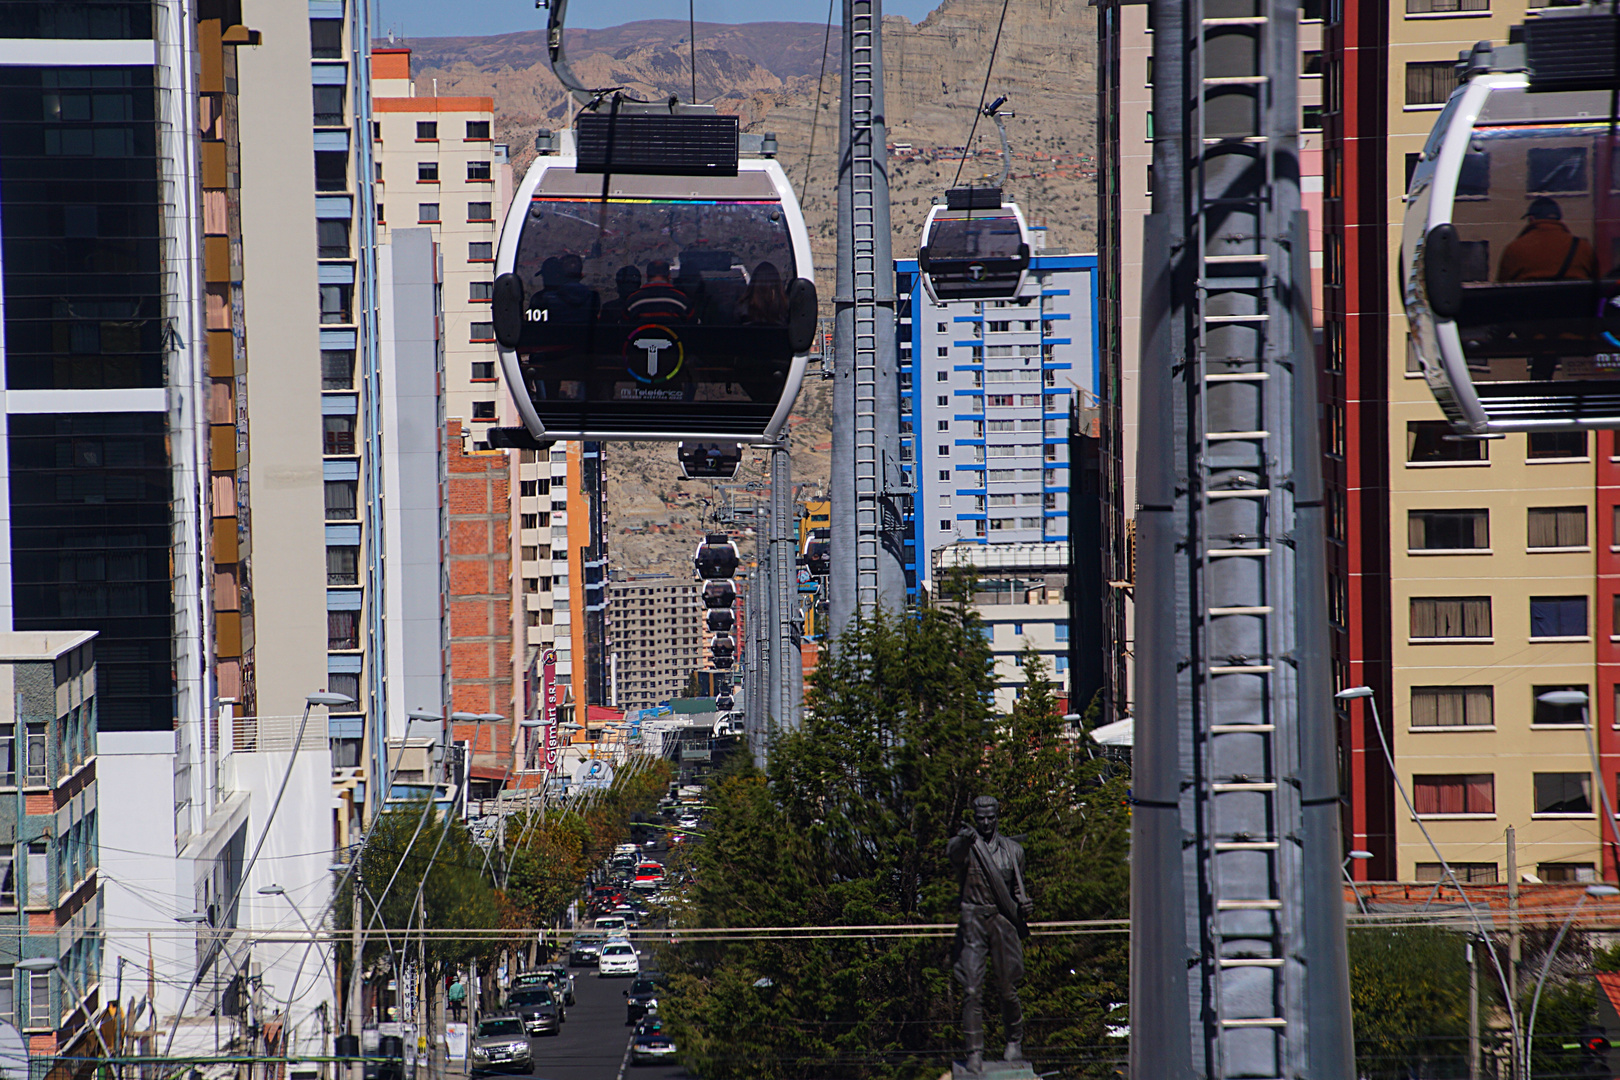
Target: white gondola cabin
column 975, row 247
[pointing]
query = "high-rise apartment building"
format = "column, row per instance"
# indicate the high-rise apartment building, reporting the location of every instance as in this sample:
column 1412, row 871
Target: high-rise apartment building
column 985, row 394
column 1468, row 576
column 1124, row 197
column 659, row 638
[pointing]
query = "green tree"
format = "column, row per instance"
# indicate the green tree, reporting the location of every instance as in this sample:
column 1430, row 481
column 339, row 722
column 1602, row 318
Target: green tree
column 1409, row 996
column 849, row 829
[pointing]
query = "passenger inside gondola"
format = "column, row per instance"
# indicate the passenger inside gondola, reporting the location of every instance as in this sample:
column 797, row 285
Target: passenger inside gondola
column 1545, row 250
column 658, row 300
column 625, row 283
column 765, row 301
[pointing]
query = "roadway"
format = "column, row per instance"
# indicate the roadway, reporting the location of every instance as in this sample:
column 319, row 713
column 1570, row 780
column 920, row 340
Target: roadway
column 595, row 1040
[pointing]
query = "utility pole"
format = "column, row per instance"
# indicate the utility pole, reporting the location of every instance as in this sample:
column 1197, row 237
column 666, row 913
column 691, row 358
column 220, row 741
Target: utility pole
column 1513, row 918
column 357, row 1071
column 1473, row 1013
column 1238, row 963
column 867, row 573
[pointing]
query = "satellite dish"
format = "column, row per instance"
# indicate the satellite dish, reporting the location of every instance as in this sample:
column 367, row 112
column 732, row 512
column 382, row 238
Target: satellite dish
column 13, row 1053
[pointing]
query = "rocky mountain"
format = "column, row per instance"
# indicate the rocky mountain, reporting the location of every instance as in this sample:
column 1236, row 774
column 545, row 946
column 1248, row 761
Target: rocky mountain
column 770, row 75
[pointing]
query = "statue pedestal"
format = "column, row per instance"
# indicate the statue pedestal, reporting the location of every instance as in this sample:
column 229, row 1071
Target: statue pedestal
column 995, row 1070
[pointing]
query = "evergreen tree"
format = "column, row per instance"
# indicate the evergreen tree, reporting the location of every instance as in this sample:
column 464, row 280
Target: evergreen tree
column 849, row 829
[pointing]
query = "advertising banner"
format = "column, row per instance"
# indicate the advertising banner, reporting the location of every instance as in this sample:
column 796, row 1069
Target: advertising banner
column 548, row 706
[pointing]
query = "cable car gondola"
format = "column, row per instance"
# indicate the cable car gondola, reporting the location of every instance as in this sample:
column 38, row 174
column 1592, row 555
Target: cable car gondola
column 709, row 461
column 723, row 645
column 719, row 594
column 721, row 620
column 652, row 281
column 1510, row 249
column 716, row 557
column 722, row 663
column 817, row 554
column 724, row 702
column 975, row 247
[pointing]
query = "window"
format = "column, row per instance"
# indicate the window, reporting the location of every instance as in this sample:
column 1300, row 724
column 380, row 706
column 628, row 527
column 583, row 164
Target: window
column 945, row 475
column 8, row 992
column 342, row 629
column 427, row 131
column 943, row 425
column 326, row 39
column 1448, row 530
column 483, row 370
column 331, row 170
column 483, row 410
column 1455, row 793
column 1556, row 444
column 1451, row 617
column 328, row 103
column 477, row 170
column 1542, row 714
column 481, row 251
column 1563, row 793
column 1430, row 82
column 483, row 331
column 381, row 217
column 1426, row 442
column 38, row 872
column 343, row 566
column 8, row 892
column 943, row 400
column 480, row 291
column 427, row 172
column 335, row 303
column 1557, row 616
column 337, row 369
column 1557, row 527
column 344, row 682
column 1310, row 118
column 480, row 211
column 39, row 1000
column 339, row 434
column 427, row 213
column 332, row 238
column 346, row 753
column 1310, row 62
column 340, row 500
column 1469, row 873
column 942, row 376
column 1453, row 706
column 477, row 130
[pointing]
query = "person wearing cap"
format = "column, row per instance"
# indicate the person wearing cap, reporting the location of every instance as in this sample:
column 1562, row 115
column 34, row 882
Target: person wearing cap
column 1545, row 250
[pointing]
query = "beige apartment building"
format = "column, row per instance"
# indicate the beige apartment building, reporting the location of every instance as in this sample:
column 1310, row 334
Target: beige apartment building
column 438, row 167
column 659, row 638
column 1499, row 566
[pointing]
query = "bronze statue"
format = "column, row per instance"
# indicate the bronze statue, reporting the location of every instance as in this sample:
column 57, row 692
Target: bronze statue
column 990, row 932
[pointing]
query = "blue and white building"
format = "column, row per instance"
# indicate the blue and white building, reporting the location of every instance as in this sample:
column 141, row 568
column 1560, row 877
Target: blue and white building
column 986, row 390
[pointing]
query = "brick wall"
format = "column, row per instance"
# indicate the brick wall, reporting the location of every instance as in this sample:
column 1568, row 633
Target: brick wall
column 479, row 561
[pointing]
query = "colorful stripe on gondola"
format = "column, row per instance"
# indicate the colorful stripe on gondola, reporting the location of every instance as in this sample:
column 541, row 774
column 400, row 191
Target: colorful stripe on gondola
column 649, row 202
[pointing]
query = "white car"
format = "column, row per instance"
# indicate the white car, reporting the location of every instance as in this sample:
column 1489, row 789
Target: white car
column 618, row 958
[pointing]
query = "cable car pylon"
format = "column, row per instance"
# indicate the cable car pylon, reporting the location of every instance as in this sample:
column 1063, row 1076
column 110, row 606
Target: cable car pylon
column 868, row 484
column 1238, row 962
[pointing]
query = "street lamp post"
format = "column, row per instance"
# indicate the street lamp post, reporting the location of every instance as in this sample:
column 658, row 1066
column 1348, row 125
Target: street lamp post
column 1595, row 891
column 1355, row 856
column 1353, row 693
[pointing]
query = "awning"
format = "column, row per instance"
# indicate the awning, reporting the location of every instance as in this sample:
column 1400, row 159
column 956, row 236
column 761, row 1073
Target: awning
column 1119, row 733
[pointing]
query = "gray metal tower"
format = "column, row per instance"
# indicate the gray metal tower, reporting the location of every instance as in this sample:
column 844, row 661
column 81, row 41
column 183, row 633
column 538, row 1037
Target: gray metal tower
column 866, row 481
column 1238, row 964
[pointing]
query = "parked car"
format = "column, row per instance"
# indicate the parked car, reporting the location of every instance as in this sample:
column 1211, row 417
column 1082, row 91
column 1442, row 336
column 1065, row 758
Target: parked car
column 585, row 948
column 538, row 1008
column 562, row 981
column 640, row 999
column 618, row 958
column 501, row 1045
column 652, row 1043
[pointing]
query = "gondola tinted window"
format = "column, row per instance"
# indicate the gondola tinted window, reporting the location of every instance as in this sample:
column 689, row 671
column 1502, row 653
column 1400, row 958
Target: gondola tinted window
column 655, row 301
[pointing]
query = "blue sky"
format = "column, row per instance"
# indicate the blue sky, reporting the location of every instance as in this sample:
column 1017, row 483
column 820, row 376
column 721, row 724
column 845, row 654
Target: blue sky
column 443, row 18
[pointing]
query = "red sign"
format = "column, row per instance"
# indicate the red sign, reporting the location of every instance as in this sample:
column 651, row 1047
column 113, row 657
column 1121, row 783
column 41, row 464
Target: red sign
column 548, row 699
